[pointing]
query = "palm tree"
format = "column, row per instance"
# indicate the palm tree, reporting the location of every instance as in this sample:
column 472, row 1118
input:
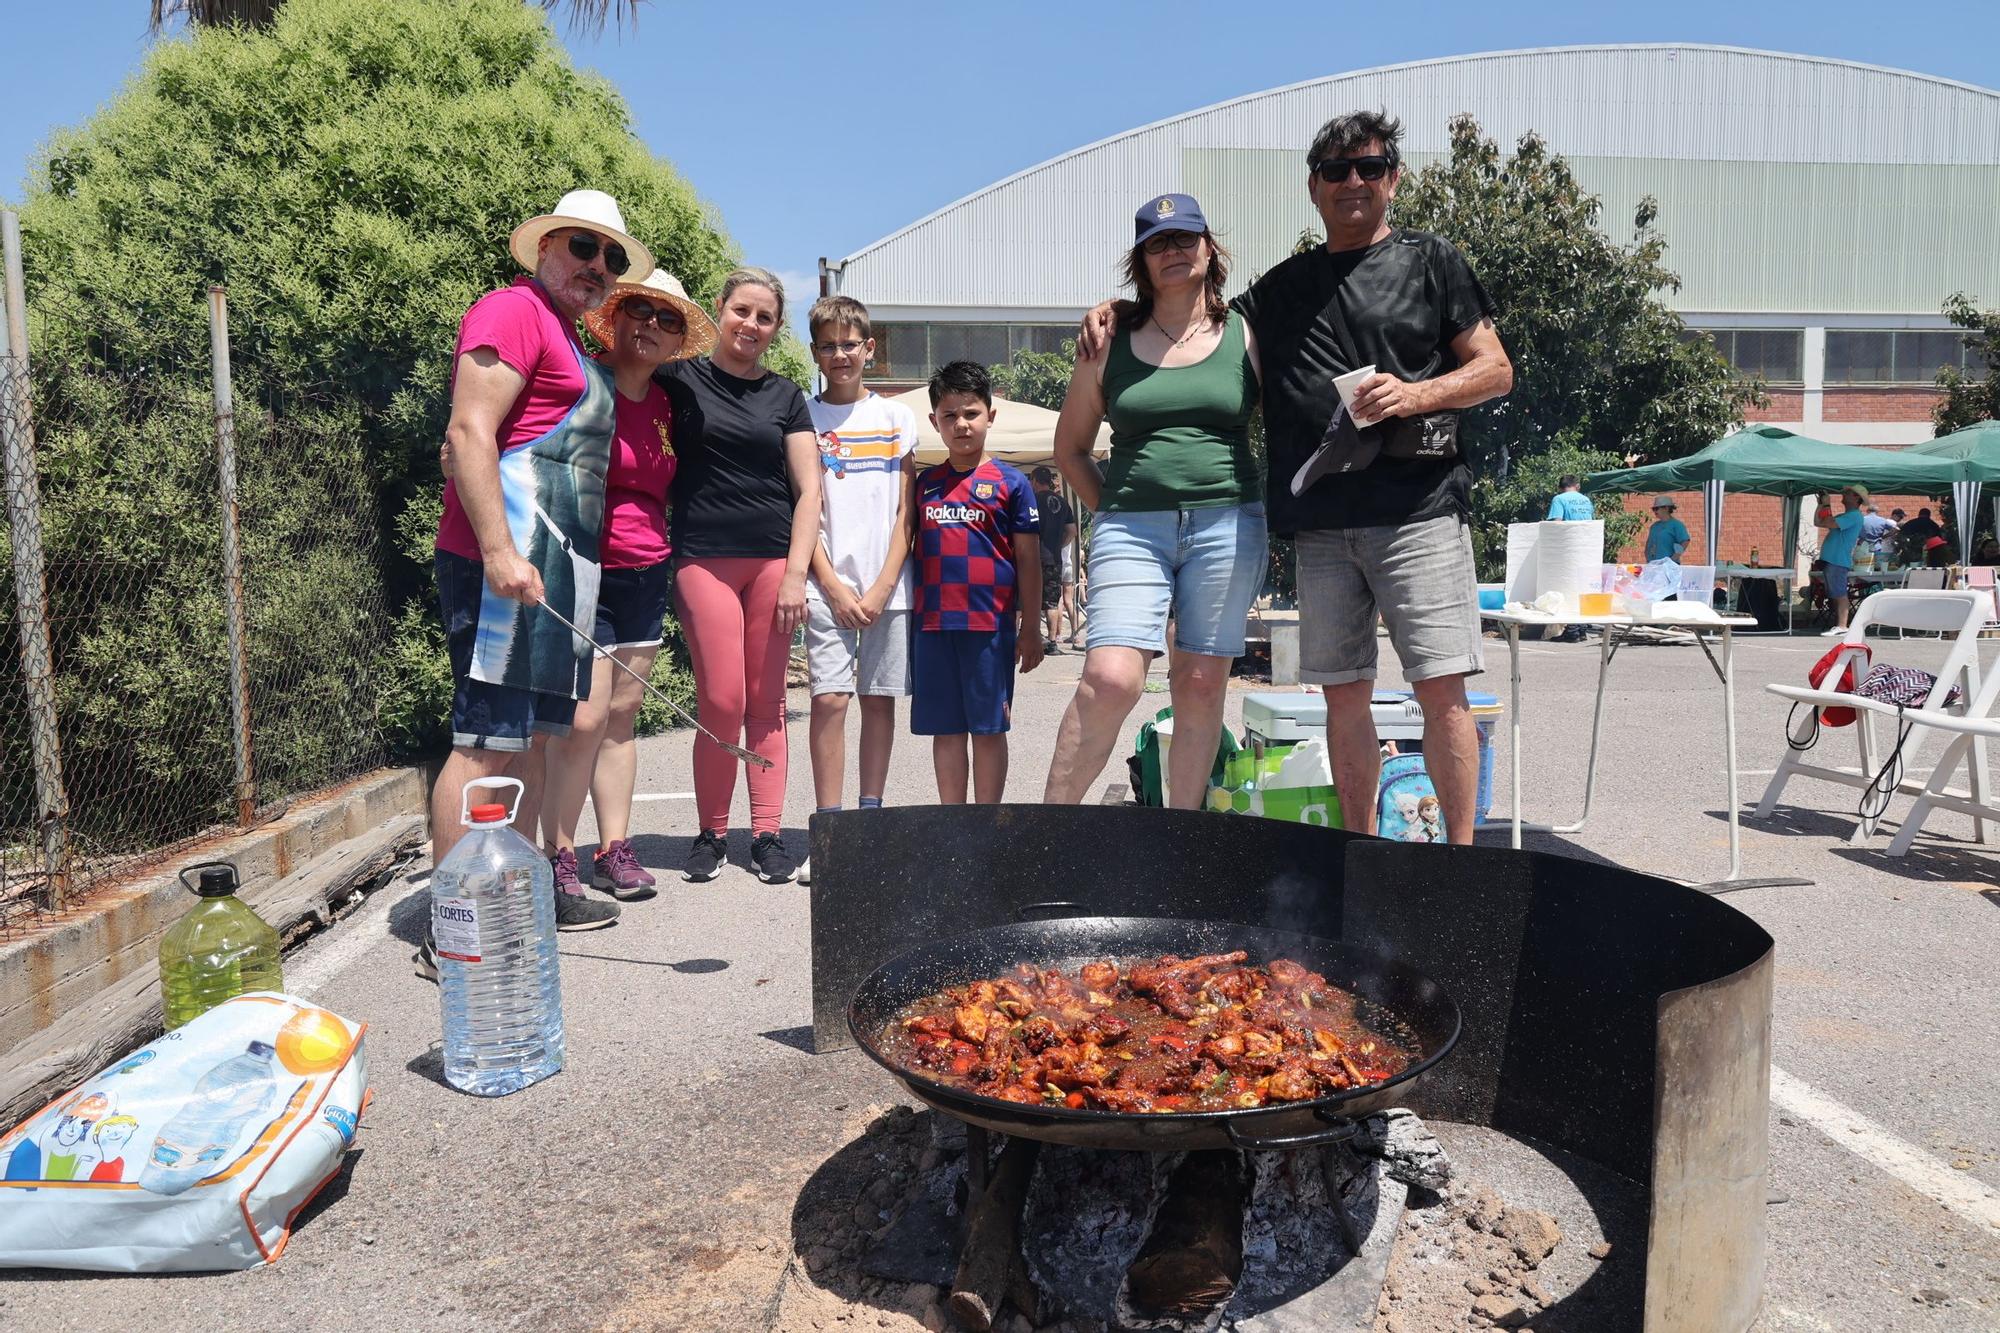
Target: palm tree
column 589, row 15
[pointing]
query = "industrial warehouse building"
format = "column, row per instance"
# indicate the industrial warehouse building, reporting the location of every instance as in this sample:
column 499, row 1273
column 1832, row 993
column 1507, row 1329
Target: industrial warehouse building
column 1818, row 213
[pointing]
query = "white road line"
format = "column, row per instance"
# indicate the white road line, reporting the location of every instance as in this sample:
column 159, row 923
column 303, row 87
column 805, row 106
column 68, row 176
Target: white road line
column 352, row 939
column 1959, row 1191
column 664, row 796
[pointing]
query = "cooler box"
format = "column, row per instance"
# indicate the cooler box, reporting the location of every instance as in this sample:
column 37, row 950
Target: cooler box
column 1272, row 719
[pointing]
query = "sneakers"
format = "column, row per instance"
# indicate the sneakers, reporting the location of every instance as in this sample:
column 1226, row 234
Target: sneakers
column 774, row 864
column 1837, row 632
column 616, row 870
column 568, row 880
column 574, row 911
column 707, row 857
column 426, row 958
column 805, row 875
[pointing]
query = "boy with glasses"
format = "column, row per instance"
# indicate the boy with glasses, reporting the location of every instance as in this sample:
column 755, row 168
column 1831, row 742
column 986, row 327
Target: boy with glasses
column 858, row 597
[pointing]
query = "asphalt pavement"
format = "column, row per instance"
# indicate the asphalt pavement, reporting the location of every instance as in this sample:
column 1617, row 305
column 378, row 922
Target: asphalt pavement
column 654, row 1183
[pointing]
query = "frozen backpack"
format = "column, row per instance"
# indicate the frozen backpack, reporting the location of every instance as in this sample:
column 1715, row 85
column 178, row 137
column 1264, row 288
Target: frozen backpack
column 1406, row 804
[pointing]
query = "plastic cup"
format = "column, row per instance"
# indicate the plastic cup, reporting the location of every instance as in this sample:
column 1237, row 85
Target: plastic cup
column 1346, row 385
column 1594, row 603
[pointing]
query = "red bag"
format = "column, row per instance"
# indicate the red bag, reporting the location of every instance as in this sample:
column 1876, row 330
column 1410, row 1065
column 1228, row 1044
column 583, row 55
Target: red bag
column 1838, row 717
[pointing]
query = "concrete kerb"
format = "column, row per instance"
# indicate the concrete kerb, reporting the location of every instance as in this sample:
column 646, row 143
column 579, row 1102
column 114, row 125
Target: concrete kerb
column 80, row 954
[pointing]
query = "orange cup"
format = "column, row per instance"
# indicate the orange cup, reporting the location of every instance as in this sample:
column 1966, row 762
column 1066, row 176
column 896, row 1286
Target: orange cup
column 1594, row 603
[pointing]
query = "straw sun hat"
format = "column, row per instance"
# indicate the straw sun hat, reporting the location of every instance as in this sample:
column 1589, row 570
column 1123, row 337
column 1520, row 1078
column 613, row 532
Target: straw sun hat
column 661, row 288
column 592, row 210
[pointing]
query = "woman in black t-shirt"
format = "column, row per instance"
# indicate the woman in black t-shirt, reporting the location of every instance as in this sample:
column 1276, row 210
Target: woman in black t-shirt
column 746, row 516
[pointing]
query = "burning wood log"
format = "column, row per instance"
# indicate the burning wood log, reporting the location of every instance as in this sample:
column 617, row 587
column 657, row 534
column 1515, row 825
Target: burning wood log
column 992, row 1230
column 1189, row 1266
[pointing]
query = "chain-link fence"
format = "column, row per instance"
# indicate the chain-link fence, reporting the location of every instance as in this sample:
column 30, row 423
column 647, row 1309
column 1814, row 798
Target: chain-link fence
column 134, row 716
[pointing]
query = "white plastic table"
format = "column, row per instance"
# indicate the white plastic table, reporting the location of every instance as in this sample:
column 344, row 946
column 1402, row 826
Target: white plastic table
column 1783, row 575
column 1616, row 629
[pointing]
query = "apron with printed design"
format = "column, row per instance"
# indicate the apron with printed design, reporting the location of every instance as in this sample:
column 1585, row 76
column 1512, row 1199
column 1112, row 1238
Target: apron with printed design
column 554, row 489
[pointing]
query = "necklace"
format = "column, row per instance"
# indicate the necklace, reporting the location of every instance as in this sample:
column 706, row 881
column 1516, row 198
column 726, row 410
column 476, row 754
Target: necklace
column 1194, row 326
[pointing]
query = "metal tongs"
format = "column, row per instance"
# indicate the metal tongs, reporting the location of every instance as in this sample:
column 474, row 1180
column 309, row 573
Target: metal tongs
column 736, row 750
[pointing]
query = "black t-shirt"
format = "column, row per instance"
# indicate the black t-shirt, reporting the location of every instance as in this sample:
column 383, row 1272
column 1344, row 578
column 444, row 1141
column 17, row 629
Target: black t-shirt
column 732, row 492
column 1404, row 298
column 1056, row 517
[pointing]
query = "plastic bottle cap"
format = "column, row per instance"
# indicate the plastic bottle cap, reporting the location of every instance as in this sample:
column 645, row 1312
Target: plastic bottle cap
column 216, row 882
column 489, row 814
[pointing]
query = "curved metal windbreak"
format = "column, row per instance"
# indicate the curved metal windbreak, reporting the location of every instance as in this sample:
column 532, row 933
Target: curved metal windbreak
column 1620, row 1017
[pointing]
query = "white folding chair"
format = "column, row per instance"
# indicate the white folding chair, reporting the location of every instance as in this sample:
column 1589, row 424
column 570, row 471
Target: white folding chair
column 1922, row 580
column 1955, row 615
column 1969, row 732
column 1980, row 578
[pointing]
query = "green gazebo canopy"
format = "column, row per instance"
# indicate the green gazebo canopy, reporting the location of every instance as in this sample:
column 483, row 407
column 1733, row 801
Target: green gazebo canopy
column 1976, row 448
column 1768, row 460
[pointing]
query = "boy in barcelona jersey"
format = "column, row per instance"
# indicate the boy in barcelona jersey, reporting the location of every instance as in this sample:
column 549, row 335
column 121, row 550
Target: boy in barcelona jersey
column 979, row 571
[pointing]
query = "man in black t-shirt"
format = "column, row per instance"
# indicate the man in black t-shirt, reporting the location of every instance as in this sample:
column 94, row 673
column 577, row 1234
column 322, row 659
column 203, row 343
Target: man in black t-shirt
column 1384, row 528
column 1057, row 521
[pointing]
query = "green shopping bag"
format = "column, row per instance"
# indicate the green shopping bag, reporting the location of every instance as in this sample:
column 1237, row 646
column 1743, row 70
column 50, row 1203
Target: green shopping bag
column 1241, row 790
column 1149, row 783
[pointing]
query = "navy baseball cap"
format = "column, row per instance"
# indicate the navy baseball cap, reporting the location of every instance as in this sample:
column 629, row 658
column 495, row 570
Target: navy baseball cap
column 1167, row 212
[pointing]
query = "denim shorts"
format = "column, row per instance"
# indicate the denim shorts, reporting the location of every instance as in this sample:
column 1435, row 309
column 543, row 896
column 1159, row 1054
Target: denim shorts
column 483, row 716
column 1836, row 578
column 964, row 680
column 1418, row 576
column 1204, row 566
column 632, row 606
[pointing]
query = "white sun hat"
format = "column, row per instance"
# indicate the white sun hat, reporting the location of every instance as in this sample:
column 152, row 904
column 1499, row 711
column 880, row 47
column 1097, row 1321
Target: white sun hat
column 660, row 287
column 592, row 210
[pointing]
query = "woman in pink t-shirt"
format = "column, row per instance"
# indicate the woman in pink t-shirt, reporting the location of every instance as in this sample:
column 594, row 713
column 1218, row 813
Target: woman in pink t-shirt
column 642, row 326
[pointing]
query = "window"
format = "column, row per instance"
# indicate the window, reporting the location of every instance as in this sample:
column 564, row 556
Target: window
column 1893, row 356
column 899, row 353
column 913, row 351
column 1776, row 354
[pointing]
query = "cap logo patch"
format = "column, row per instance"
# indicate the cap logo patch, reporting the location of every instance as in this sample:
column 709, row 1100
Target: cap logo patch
column 1165, row 208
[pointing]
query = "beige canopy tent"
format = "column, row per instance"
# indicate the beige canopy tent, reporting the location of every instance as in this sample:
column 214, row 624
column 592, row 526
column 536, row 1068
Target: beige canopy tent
column 1022, row 433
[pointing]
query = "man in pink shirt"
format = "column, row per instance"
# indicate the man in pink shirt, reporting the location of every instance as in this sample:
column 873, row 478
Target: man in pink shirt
column 526, row 452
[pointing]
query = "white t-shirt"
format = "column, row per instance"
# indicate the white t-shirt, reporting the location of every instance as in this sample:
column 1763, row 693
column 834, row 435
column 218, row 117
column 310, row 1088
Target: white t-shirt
column 861, row 451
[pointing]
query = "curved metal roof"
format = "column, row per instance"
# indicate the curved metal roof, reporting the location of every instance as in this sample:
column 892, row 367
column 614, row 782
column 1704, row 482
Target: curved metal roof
column 1751, row 154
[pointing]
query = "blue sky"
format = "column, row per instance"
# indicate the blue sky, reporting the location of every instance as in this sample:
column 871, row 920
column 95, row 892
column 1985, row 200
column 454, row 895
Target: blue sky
column 816, row 129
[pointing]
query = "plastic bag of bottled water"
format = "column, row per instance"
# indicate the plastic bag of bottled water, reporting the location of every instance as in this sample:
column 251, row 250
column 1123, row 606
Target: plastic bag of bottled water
column 493, row 921
column 193, row 1153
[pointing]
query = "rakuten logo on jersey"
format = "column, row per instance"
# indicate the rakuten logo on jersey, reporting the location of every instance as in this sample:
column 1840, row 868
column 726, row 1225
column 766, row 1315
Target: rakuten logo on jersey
column 950, row 513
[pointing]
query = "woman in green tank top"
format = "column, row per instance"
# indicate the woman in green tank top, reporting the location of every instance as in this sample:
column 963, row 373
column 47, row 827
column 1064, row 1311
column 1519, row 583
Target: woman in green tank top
column 1178, row 533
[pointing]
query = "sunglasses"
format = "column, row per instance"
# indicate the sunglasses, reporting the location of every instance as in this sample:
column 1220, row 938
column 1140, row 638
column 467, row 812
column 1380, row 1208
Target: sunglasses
column 1172, row 240
column 639, row 311
column 1333, row 170
column 585, row 246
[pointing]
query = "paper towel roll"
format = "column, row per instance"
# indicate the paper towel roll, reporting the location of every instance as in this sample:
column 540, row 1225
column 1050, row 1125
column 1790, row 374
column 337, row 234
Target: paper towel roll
column 1569, row 558
column 1522, row 542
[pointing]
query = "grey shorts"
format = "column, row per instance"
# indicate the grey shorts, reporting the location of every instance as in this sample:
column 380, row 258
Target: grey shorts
column 875, row 660
column 1418, row 575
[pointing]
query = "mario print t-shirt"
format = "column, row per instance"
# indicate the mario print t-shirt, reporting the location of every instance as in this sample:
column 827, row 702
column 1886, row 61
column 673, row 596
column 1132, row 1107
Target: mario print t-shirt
column 966, row 525
column 862, row 446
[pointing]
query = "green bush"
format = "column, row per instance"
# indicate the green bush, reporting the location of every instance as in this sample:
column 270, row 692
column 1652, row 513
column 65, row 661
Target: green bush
column 351, row 174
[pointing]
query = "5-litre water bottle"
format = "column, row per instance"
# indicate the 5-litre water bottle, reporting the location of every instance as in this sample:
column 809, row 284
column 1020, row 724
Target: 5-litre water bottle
column 196, row 1143
column 493, row 918
column 218, row 951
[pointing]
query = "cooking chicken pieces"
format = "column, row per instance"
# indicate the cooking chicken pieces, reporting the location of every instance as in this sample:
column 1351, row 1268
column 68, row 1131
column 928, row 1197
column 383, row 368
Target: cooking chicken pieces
column 1155, row 1035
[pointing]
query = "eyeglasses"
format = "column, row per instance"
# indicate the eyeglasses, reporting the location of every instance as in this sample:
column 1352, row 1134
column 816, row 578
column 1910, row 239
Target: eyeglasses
column 639, row 311
column 1172, row 240
column 585, row 246
column 1333, row 170
column 847, row 347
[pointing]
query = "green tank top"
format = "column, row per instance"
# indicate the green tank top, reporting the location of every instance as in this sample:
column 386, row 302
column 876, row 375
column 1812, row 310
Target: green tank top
column 1180, row 436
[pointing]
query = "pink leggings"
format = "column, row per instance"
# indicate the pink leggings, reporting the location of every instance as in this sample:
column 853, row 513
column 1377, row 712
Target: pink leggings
column 729, row 613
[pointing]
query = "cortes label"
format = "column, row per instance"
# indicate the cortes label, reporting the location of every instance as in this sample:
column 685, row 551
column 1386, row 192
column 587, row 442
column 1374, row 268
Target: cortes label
column 455, row 929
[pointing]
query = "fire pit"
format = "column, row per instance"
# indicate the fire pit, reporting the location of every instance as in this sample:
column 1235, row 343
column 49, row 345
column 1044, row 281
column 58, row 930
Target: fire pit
column 1623, row 1018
